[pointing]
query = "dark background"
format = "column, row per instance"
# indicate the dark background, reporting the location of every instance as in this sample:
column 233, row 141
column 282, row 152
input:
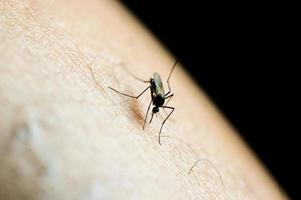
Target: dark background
column 242, row 55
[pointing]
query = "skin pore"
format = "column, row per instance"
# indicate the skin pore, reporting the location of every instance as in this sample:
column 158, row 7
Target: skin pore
column 65, row 135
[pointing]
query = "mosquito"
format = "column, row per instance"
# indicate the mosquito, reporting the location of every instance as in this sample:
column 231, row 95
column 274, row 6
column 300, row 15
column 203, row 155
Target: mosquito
column 158, row 97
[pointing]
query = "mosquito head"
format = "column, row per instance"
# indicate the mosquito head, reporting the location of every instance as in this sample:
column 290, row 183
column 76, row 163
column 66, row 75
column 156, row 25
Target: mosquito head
column 155, row 109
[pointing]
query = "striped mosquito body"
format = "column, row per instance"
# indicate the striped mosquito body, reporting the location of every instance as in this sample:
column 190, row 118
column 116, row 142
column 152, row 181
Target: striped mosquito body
column 157, row 90
column 158, row 97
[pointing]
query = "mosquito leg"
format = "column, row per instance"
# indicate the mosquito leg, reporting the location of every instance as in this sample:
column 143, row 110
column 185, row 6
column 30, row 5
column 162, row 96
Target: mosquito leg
column 172, row 108
column 150, row 121
column 147, row 113
column 169, row 98
column 167, row 93
column 136, row 97
column 170, row 75
column 134, row 76
column 160, row 115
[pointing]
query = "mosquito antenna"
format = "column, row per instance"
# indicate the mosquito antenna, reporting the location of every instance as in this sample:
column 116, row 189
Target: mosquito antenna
column 173, row 67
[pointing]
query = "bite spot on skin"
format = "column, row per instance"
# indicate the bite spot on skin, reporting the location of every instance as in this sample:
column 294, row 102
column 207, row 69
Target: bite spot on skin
column 136, row 112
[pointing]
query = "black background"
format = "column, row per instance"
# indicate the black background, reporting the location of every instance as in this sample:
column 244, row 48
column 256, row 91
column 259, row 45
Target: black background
column 242, row 55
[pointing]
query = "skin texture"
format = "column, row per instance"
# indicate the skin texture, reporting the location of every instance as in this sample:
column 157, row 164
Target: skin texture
column 65, row 135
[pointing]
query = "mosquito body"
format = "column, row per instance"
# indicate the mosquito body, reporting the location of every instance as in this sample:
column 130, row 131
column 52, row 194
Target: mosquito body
column 158, row 97
column 157, row 90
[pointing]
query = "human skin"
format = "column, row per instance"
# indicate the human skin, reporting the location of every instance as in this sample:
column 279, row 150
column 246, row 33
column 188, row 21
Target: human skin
column 65, row 135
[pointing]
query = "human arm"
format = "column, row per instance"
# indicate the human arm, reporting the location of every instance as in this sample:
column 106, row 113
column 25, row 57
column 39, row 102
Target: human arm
column 65, row 135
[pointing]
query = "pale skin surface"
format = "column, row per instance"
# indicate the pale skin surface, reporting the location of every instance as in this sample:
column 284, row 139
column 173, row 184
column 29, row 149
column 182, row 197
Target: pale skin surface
column 65, row 135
